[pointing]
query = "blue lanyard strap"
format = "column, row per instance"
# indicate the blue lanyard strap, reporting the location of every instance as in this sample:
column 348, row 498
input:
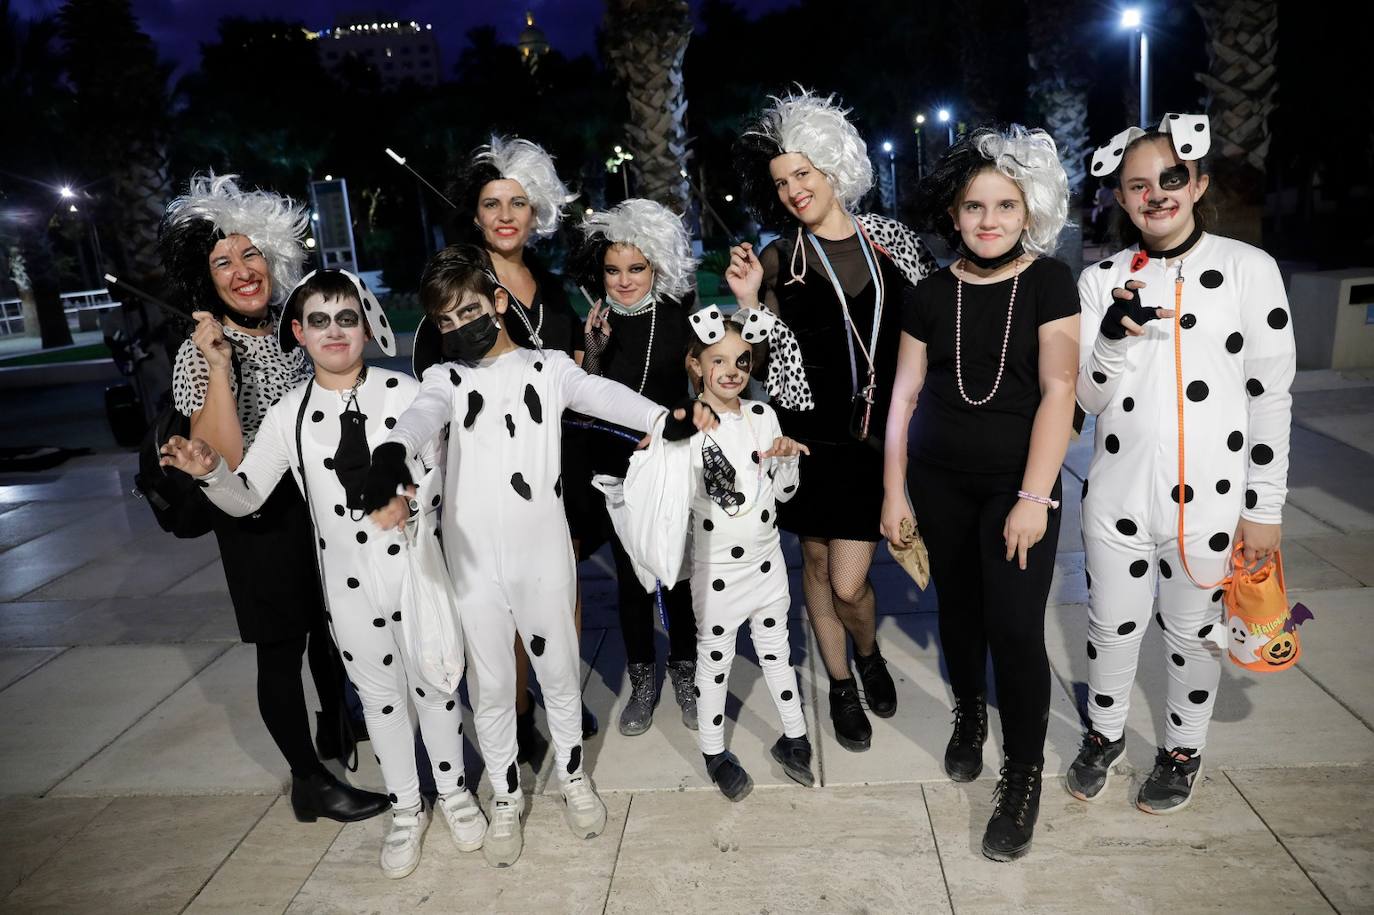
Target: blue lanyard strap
column 871, row 260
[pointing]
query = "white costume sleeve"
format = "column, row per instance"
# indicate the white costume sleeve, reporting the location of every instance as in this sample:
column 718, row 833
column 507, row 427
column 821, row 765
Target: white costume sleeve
column 271, row 455
column 603, row 398
column 1100, row 361
column 1270, row 362
column 786, row 471
column 419, row 426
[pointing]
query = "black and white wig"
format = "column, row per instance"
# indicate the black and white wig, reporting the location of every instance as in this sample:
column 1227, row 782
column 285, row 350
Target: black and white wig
column 1028, row 157
column 816, row 127
column 525, row 163
column 213, row 208
column 655, row 230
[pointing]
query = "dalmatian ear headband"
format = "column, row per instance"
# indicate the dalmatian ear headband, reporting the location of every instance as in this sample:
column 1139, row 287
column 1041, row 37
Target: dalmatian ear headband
column 377, row 324
column 787, row 384
column 1191, row 135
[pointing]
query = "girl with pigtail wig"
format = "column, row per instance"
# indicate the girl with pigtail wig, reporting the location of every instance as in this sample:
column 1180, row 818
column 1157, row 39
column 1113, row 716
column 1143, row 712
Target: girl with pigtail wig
column 982, row 407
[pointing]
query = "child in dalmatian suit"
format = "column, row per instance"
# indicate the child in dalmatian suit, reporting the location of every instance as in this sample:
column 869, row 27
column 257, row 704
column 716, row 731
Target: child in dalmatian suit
column 505, row 533
column 319, row 433
column 1183, row 332
column 742, row 469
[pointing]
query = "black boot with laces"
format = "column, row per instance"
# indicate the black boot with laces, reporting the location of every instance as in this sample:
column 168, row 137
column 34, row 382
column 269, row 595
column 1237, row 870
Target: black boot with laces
column 964, row 753
column 1016, row 804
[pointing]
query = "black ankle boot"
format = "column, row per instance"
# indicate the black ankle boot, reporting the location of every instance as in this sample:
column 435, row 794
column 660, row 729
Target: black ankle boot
column 530, row 746
column 794, row 755
column 964, row 753
column 1016, row 805
column 728, row 775
column 879, row 689
column 322, row 795
column 852, row 729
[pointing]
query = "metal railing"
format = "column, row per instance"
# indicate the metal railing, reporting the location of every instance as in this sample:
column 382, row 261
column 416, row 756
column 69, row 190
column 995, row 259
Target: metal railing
column 77, row 305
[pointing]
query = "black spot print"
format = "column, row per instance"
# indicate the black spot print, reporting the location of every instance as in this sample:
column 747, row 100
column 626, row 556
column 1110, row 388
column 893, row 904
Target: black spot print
column 737, row 552
column 1100, row 377
column 353, row 583
column 339, row 510
column 537, row 646
column 1204, row 631
column 421, row 693
column 1139, row 568
column 396, row 617
column 1198, row 696
column 1125, row 628
column 1217, row 595
column 316, row 416
column 448, row 707
column 718, row 719
column 765, row 567
column 764, row 516
column 575, row 759
column 718, row 584
column 474, row 407
column 388, row 709
column 539, row 366
column 1251, row 498
column 720, row 678
column 454, row 377
column 329, row 463
column 1235, row 441
column 434, row 503
column 1127, row 527
column 1261, row 454
column 510, row 425
column 386, row 661
column 770, row 657
column 445, row 766
column 1092, row 652
column 558, row 487
column 1278, row 319
column 1105, row 265
column 1112, row 444
column 321, row 543
column 1187, row 493
column 758, row 409
column 347, row 656
column 1159, row 618
column 716, row 656
column 1197, row 391
column 378, row 622
column 1211, row 279
column 1178, row 722
column 512, row 778
column 1219, row 541
column 1165, row 570
column 1235, row 343
column 696, row 691
column 1177, row 659
column 533, row 404
column 786, row 695
column 1223, row 487
column 362, row 536
column 392, row 382
column 1188, row 321
column 706, row 525
column 389, row 422
column 754, row 456
column 1128, row 404
column 1254, row 387
column 718, row 630
column 1088, row 577
column 769, row 622
column 1104, row 701
column 393, row 798
column 517, row 482
column 789, row 489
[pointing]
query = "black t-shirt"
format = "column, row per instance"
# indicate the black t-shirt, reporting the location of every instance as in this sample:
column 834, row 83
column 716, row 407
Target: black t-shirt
column 994, row 437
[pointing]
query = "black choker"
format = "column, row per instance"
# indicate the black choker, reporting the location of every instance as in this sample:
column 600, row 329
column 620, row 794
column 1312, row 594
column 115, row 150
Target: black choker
column 247, row 323
column 991, row 263
column 1188, row 242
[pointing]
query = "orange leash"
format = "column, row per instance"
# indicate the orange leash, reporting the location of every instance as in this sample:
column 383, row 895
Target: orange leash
column 1178, row 387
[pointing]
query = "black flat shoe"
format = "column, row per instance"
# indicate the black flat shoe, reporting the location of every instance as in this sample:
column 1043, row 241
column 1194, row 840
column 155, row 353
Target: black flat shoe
column 322, row 795
column 879, row 689
column 852, row 729
column 794, row 755
column 728, row 775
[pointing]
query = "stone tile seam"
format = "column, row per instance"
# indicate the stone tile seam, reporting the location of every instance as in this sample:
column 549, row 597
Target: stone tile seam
column 176, row 689
column 61, row 847
column 939, row 858
column 60, row 529
column 42, row 664
column 218, row 867
column 1279, row 839
column 314, row 867
column 1338, row 700
column 620, row 843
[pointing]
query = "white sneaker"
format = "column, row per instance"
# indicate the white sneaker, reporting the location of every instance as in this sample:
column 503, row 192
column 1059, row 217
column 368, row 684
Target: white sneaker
column 401, row 847
column 505, row 837
column 465, row 819
column 583, row 809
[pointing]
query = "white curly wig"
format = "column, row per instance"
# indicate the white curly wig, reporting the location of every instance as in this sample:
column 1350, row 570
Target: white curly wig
column 1030, row 158
column 656, row 231
column 274, row 223
column 819, row 129
column 527, row 163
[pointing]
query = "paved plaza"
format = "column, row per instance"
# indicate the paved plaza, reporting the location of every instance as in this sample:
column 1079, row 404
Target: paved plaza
column 136, row 776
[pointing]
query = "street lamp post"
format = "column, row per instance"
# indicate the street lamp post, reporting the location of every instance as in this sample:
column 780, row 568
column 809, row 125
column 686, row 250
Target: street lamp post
column 1131, row 18
column 920, row 154
column 892, row 170
column 944, row 117
column 617, row 164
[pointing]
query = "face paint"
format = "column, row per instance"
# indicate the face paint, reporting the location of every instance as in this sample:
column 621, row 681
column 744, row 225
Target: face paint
column 346, row 318
column 1174, row 179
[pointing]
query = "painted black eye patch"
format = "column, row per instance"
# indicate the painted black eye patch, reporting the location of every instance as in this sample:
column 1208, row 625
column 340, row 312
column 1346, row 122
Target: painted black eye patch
column 1173, row 179
column 345, row 318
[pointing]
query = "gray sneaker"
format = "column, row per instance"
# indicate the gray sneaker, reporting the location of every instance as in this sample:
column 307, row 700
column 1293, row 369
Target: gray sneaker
column 638, row 713
column 1091, row 770
column 1170, row 785
column 684, row 675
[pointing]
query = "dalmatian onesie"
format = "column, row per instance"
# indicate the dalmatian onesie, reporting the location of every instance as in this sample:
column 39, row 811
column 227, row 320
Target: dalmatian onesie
column 360, row 566
column 738, row 571
column 506, row 536
column 1237, row 364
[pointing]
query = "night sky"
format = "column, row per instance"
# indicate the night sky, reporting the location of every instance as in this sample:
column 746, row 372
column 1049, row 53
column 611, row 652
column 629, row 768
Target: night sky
column 180, row 26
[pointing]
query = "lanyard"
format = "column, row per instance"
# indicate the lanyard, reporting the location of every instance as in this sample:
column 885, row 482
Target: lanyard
column 853, row 336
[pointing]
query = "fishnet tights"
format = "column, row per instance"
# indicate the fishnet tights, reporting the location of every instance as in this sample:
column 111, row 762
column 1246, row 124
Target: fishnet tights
column 839, row 598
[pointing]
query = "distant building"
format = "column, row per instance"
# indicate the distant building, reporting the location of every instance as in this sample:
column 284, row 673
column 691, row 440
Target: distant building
column 532, row 44
column 397, row 51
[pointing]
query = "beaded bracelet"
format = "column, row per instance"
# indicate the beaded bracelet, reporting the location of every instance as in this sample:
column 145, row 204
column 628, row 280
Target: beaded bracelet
column 1039, row 500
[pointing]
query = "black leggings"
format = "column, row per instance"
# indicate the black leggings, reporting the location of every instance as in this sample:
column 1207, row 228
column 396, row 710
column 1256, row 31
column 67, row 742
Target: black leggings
column 638, row 611
column 281, row 696
column 987, row 603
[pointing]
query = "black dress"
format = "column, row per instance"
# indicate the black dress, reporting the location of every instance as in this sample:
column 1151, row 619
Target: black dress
column 841, row 492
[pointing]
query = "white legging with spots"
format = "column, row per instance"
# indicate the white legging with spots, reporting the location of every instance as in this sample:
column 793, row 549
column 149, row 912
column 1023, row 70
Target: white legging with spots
column 715, row 654
column 1122, row 579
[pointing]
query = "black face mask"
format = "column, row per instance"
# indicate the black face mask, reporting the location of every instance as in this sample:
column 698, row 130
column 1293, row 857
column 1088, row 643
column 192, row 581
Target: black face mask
column 472, row 341
column 991, row 263
column 353, row 458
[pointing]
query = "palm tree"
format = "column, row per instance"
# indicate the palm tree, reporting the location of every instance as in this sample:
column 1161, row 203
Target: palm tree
column 645, row 43
column 1059, row 84
column 1242, row 79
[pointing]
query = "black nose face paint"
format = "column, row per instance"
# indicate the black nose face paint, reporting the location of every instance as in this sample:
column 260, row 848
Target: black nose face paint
column 353, row 458
column 1174, row 179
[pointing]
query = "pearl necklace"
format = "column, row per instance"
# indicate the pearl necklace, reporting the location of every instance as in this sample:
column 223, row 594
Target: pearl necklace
column 649, row 348
column 958, row 339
